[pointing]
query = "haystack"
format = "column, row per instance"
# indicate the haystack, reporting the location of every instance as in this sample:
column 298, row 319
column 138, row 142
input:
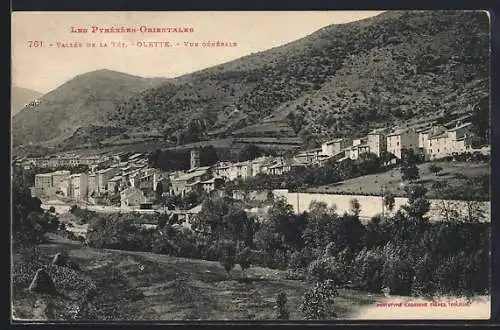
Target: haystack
column 42, row 283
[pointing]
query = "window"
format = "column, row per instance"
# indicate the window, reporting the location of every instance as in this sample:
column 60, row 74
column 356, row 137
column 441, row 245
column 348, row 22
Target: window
column 397, row 144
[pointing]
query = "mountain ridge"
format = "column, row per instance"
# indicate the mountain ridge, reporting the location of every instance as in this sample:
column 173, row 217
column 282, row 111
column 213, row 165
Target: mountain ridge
column 343, row 79
column 20, row 96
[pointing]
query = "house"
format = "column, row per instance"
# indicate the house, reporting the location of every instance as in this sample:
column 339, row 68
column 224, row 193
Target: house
column 93, row 187
column 401, row 139
column 59, row 176
column 189, row 181
column 356, row 142
column 287, row 165
column 185, row 217
column 146, row 179
column 423, row 139
column 454, row 140
column 131, row 197
column 358, row 149
column 211, row 184
column 43, row 184
column 309, row 156
column 78, row 186
column 376, row 141
column 103, row 177
column 333, row 147
column 259, row 164
column 114, row 183
column 233, row 171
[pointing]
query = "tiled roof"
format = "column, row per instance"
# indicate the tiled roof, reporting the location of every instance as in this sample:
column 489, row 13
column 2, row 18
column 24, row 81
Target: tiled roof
column 459, row 127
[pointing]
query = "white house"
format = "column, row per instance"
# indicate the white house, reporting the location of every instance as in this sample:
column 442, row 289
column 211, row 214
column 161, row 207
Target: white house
column 402, row 139
column 377, row 141
column 333, row 147
column 132, row 196
column 454, row 140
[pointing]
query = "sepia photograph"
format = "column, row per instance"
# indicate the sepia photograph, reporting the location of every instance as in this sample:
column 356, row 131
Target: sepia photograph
column 250, row 166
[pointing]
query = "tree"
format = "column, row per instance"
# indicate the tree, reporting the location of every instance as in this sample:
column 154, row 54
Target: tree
column 208, row 156
column 355, row 207
column 249, row 152
column 368, row 163
column 159, row 191
column 227, row 255
column 481, row 122
column 281, row 310
column 433, row 168
column 318, row 302
column 386, row 157
column 389, row 201
column 319, row 226
column 410, row 173
column 243, row 259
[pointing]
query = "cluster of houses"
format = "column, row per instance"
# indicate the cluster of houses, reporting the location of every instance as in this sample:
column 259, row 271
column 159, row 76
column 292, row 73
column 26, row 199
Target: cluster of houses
column 432, row 142
column 134, row 181
column 67, row 160
column 131, row 180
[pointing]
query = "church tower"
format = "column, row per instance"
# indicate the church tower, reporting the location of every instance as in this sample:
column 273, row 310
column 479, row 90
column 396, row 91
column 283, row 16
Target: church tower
column 195, row 158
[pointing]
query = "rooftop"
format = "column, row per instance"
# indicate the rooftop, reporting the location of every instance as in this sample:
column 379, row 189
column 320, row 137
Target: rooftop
column 459, row 127
column 378, row 131
column 61, row 172
column 104, row 170
column 44, row 175
column 334, row 141
column 399, row 131
column 188, row 176
column 438, row 135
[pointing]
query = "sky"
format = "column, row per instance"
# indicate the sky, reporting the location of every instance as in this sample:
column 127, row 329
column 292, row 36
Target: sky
column 46, row 67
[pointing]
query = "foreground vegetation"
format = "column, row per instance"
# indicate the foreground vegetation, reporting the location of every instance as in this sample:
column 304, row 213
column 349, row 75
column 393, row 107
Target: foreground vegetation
column 319, row 254
column 148, row 286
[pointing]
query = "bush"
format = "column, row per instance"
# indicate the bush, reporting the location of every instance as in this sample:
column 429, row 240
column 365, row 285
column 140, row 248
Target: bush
column 397, row 271
column 424, row 281
column 281, row 310
column 163, row 245
column 336, row 269
column 318, row 302
column 227, row 255
column 299, row 260
column 243, row 259
column 369, row 266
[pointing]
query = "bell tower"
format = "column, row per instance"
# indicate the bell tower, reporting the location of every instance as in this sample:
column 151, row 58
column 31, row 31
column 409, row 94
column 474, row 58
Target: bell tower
column 195, row 158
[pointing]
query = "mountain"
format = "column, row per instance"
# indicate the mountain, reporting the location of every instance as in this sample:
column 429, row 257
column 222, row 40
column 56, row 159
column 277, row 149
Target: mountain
column 341, row 80
column 83, row 101
column 20, row 97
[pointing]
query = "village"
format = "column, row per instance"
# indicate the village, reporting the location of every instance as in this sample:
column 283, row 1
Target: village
column 126, row 183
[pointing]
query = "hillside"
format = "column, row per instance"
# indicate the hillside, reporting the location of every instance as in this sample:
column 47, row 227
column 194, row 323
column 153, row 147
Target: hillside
column 20, row 97
column 82, row 101
column 343, row 79
column 148, row 286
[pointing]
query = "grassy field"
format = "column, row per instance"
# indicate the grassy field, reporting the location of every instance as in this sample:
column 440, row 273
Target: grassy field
column 147, row 286
column 371, row 184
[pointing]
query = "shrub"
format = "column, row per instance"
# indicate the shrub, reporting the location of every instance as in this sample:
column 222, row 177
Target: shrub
column 243, row 259
column 369, row 265
column 397, row 271
column 281, row 310
column 424, row 281
column 299, row 260
column 227, row 255
column 318, row 302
